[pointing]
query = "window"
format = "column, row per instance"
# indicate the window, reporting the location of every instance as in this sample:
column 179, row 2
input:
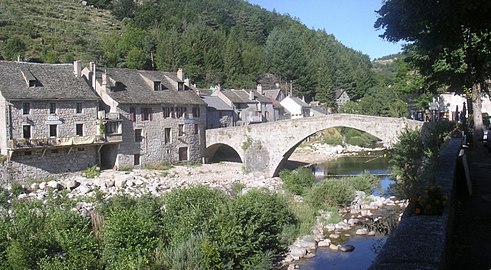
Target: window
column 167, row 137
column 26, row 131
column 181, row 130
column 166, row 111
column 146, row 114
column 54, row 151
column 112, row 128
column 138, row 135
column 132, row 114
column 158, row 86
column 52, row 130
column 78, row 108
column 28, row 153
column 136, row 159
column 52, row 108
column 79, row 129
column 196, row 112
column 26, row 108
column 80, row 149
column 181, row 111
column 180, row 86
column 196, row 128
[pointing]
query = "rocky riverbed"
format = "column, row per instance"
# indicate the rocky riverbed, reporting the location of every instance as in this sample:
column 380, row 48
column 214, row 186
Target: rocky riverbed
column 229, row 177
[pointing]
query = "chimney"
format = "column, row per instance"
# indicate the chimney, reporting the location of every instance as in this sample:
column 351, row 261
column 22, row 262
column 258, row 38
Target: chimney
column 18, row 58
column 259, row 88
column 77, row 69
column 104, row 79
column 93, row 74
column 251, row 95
column 180, row 74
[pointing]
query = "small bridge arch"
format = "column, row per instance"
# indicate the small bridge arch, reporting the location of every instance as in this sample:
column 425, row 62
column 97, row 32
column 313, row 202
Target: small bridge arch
column 263, row 148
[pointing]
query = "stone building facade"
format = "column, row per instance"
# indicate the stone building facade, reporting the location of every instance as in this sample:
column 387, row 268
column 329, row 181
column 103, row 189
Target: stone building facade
column 48, row 120
column 162, row 120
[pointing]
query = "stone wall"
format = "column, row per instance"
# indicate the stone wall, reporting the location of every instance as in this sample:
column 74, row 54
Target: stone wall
column 38, row 163
column 420, row 241
column 152, row 148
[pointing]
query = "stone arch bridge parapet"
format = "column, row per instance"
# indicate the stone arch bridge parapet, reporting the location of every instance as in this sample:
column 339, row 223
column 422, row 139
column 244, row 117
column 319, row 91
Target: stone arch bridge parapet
column 263, row 148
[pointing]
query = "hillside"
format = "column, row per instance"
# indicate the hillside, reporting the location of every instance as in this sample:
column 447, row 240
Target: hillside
column 228, row 42
column 55, row 30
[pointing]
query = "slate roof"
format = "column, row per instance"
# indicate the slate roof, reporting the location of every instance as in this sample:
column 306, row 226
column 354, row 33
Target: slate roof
column 300, row 102
column 338, row 93
column 242, row 96
column 272, row 93
column 131, row 88
column 217, row 103
column 52, row 82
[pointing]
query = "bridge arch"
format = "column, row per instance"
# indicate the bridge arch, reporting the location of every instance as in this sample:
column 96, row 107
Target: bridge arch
column 264, row 148
column 222, row 152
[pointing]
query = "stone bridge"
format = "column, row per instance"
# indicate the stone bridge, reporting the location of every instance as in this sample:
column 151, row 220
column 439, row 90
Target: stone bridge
column 263, row 148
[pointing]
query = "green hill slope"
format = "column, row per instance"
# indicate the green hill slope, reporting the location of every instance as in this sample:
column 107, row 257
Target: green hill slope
column 54, row 30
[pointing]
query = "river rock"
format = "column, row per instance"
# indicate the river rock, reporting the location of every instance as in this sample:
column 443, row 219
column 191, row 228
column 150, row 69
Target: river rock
column 334, row 236
column 362, row 231
column 54, row 185
column 330, row 227
column 333, row 247
column 308, row 242
column 83, row 189
column 371, row 233
column 324, row 243
column 297, row 252
column 346, row 248
column 71, row 184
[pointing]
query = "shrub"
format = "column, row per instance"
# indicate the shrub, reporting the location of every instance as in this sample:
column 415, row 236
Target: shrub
column 331, row 193
column 298, row 180
column 256, row 228
column 333, row 140
column 364, row 182
column 192, row 211
column 91, row 172
column 132, row 231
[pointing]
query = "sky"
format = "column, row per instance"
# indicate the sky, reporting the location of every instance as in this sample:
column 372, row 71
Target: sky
column 350, row 21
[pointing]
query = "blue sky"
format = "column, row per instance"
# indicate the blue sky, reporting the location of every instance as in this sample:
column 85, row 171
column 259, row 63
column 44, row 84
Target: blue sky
column 350, row 21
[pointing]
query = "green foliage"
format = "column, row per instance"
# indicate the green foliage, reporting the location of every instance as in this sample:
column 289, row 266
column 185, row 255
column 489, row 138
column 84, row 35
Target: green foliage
column 91, row 172
column 14, row 47
column 132, row 231
column 246, row 144
column 256, row 224
column 163, row 166
column 330, row 193
column 192, row 211
column 365, row 182
column 298, row 180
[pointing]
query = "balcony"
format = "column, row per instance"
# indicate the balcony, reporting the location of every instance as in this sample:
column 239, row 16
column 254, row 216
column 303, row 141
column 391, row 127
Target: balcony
column 55, row 142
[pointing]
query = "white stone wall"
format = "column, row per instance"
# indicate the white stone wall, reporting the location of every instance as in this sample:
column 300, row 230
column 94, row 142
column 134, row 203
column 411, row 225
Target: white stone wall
column 152, row 149
column 3, row 125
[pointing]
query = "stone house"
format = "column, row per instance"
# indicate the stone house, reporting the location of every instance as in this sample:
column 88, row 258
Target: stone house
column 218, row 113
column 48, row 120
column 296, row 107
column 162, row 120
column 249, row 106
column 275, row 96
column 341, row 97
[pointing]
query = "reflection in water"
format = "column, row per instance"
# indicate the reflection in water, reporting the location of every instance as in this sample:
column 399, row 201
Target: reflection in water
column 361, row 258
column 366, row 248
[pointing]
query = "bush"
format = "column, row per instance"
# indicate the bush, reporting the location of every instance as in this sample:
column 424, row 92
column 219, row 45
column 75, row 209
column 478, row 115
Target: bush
column 132, row 231
column 298, row 180
column 256, row 228
column 331, row 193
column 364, row 182
column 192, row 211
column 91, row 172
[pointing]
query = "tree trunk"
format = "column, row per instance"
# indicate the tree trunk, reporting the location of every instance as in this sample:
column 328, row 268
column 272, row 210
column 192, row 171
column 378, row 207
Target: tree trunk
column 477, row 111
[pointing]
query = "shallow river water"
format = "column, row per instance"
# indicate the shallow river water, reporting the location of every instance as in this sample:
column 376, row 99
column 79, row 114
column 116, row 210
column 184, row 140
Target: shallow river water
column 366, row 248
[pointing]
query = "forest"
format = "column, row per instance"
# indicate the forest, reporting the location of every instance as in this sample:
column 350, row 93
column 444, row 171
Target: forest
column 227, row 42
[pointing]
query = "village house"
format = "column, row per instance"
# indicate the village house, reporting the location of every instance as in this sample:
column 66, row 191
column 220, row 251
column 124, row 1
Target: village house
column 162, row 120
column 296, row 107
column 48, row 120
column 341, row 97
column 218, row 113
column 249, row 106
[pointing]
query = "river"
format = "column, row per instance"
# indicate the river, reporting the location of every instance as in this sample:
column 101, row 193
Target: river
column 366, row 247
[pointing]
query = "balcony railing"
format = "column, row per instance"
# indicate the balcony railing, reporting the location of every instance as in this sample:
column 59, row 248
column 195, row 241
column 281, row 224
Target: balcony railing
column 53, row 142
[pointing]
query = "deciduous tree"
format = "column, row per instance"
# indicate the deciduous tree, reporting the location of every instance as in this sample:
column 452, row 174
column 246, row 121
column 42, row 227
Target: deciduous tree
column 449, row 41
